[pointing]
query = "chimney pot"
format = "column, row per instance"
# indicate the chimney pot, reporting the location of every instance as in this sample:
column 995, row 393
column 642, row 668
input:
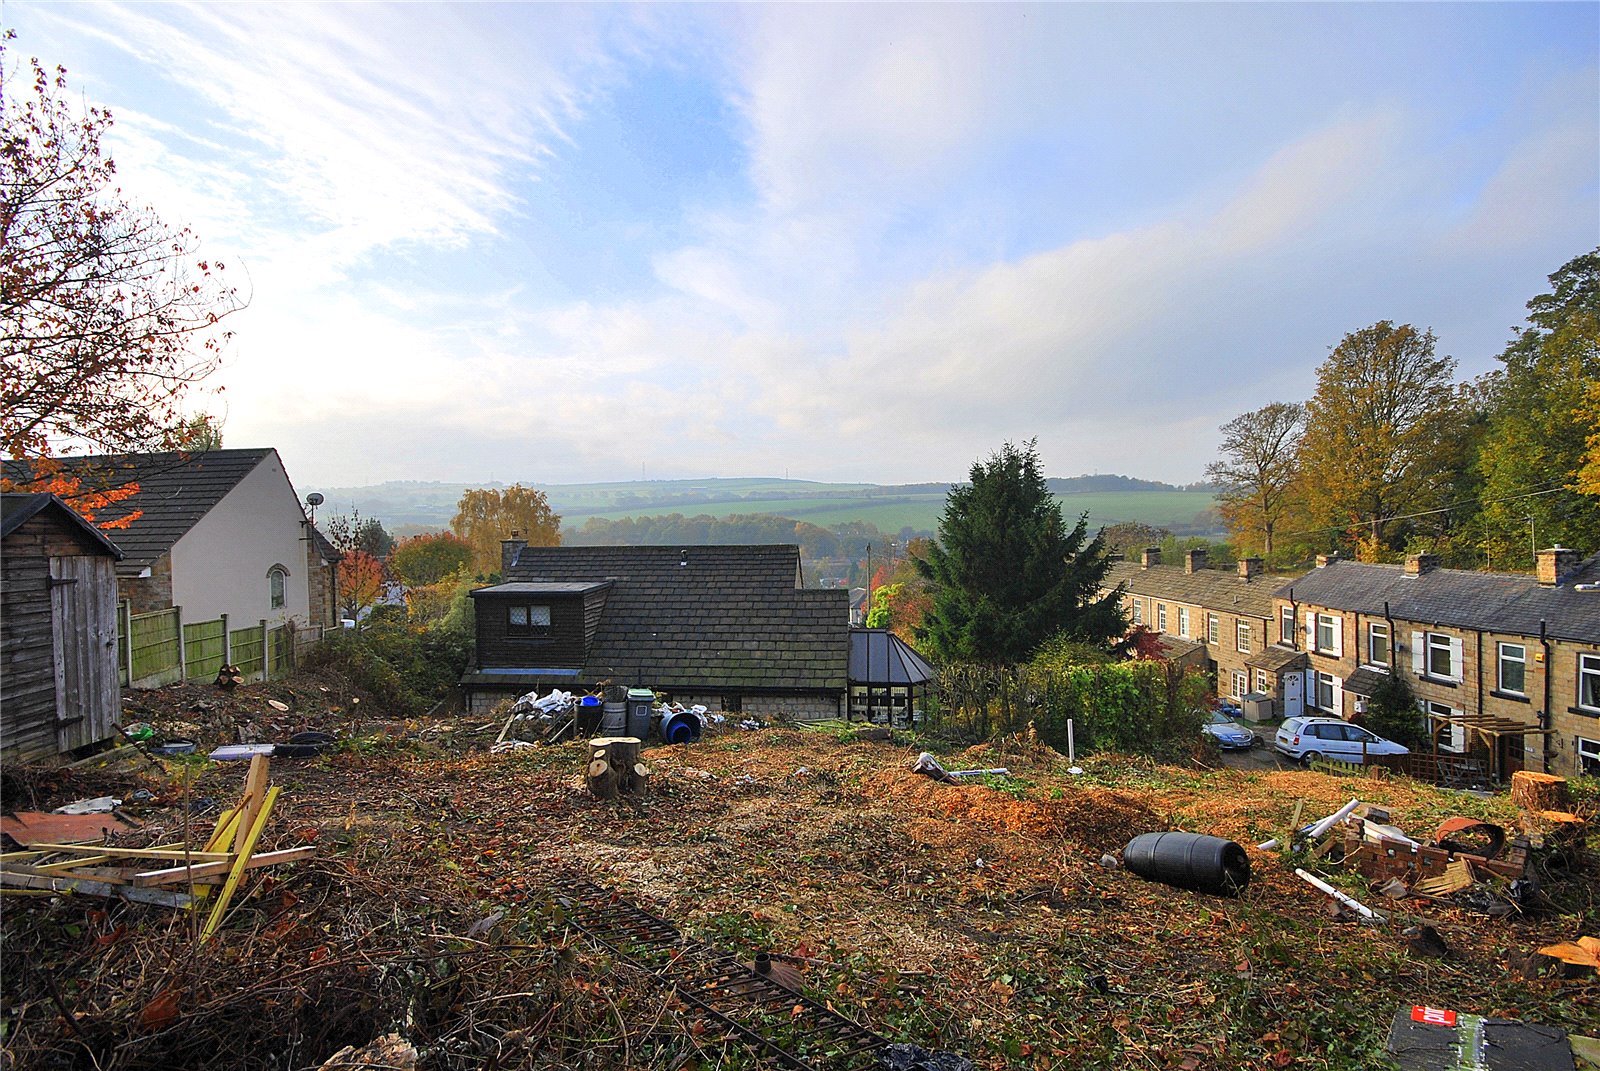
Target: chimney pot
column 509, row 549
column 1194, row 560
column 1555, row 564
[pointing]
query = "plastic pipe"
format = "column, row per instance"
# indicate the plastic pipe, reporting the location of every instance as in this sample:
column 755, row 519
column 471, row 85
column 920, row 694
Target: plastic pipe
column 1316, row 829
column 1339, row 896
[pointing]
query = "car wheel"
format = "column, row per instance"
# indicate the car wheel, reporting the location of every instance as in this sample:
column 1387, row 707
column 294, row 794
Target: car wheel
column 1311, row 756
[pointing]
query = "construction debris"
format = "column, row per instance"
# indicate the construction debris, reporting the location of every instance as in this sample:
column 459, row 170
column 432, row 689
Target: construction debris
column 1438, row 1039
column 929, row 766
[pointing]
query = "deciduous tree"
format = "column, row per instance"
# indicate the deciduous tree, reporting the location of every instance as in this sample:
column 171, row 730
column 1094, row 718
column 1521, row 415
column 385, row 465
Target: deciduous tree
column 485, row 516
column 361, row 582
column 1008, row 573
column 1258, row 471
column 108, row 316
column 1384, row 433
column 429, row 558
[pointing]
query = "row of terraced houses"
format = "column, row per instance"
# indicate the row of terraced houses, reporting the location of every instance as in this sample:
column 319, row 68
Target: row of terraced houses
column 1506, row 666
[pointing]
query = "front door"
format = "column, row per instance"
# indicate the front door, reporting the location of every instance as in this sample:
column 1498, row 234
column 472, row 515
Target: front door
column 1294, row 694
column 83, row 625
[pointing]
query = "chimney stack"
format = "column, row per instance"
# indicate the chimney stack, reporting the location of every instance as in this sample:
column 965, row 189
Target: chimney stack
column 1325, row 560
column 1150, row 556
column 1417, row 564
column 1556, row 564
column 1194, row 560
column 1250, row 568
column 509, row 549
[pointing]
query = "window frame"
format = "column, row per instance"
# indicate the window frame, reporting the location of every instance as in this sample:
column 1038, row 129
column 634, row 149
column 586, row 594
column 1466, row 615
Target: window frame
column 1588, row 667
column 278, row 587
column 1138, row 611
column 1373, row 629
column 1161, row 617
column 1241, row 684
column 1501, row 660
column 529, row 629
column 1213, row 628
column 1588, row 752
column 1322, row 679
column 1286, row 625
column 1263, row 685
column 1432, row 643
column 1324, row 621
column 1241, row 637
column 1183, row 621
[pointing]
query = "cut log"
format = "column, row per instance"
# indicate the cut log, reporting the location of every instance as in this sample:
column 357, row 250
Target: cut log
column 1533, row 791
column 614, row 769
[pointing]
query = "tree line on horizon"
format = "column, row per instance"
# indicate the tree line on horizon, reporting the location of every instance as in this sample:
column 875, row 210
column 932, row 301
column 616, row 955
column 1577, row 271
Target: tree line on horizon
column 1393, row 454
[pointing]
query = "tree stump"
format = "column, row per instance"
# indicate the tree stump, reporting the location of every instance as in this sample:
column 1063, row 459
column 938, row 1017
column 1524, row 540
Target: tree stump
column 1537, row 792
column 614, row 768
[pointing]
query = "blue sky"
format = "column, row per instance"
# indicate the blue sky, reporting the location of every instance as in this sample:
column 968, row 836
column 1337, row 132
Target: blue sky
column 558, row 243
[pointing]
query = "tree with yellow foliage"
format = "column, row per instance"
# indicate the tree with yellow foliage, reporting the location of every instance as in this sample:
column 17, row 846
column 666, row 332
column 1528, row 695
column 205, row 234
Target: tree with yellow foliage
column 485, row 516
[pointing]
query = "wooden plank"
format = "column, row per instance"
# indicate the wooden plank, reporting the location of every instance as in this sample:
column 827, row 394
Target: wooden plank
column 255, row 790
column 239, row 865
column 179, row 874
column 133, row 853
column 164, row 897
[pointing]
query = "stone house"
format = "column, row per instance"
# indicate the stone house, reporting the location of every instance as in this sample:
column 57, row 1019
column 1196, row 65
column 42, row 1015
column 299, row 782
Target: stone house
column 727, row 626
column 1228, row 615
column 1506, row 666
column 219, row 532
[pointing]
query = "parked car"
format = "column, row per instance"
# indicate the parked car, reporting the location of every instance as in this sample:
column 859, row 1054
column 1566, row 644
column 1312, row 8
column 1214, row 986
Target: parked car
column 1309, row 739
column 1229, row 734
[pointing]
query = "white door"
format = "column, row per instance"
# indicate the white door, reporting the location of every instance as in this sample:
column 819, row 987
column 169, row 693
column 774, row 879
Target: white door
column 1294, row 694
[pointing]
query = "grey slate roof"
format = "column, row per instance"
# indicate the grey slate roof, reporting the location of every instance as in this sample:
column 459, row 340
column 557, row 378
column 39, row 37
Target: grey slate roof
column 878, row 656
column 1489, row 602
column 1365, row 681
column 1215, row 589
column 18, row 509
column 1278, row 659
column 715, row 616
column 175, row 491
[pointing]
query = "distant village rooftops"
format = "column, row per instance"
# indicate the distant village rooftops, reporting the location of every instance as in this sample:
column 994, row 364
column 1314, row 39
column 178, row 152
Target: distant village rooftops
column 1243, row 589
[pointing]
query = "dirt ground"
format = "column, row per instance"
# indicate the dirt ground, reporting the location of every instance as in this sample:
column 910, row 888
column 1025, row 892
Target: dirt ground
column 976, row 918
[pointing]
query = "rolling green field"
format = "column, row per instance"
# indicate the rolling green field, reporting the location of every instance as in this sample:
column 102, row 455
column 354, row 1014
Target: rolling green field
column 890, row 508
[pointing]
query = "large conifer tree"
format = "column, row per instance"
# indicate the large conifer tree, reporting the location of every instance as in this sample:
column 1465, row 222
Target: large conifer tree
column 1008, row 573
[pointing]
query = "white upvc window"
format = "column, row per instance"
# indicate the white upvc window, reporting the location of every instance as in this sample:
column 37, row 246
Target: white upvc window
column 1440, row 661
column 1213, row 629
column 1286, row 625
column 1263, row 682
column 1327, row 634
column 1325, row 687
column 1241, row 636
column 1511, row 676
column 1588, row 756
column 1183, row 621
column 1378, row 643
column 1161, row 617
column 1589, row 681
column 1138, row 611
column 1241, row 683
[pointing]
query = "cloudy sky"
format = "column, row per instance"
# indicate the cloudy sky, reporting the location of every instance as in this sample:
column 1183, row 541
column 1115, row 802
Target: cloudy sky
column 556, row 244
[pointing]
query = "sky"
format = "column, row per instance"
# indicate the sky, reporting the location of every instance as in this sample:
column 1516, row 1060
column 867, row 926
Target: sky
column 575, row 243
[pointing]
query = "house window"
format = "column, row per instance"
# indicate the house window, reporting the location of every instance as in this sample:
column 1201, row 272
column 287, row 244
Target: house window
column 1440, row 663
column 1455, row 736
column 1241, row 683
column 528, row 620
column 1286, row 625
column 1377, row 644
column 1589, row 757
column 1324, row 691
column 1138, row 611
column 1241, row 636
column 1589, row 681
column 1161, row 617
column 1263, row 683
column 1183, row 621
column 1325, row 634
column 1513, row 674
column 1213, row 629
column 278, row 586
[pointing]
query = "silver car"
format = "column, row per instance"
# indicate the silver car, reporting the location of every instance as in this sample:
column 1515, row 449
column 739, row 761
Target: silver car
column 1229, row 734
column 1309, row 739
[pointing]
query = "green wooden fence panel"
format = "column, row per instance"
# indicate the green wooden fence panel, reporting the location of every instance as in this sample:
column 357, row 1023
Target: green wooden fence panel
column 245, row 647
column 280, row 650
column 122, row 644
column 154, row 637
column 202, row 649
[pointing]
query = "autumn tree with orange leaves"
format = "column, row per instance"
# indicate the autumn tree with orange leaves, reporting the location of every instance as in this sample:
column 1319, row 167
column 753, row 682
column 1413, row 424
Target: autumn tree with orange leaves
column 109, row 318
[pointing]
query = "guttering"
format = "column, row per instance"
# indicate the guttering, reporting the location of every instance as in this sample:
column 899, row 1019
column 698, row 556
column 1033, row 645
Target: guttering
column 1544, row 715
column 1394, row 640
column 1294, row 624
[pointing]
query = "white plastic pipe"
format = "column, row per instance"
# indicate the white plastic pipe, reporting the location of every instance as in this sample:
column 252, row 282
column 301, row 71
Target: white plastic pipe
column 1316, row 829
column 1072, row 747
column 1354, row 905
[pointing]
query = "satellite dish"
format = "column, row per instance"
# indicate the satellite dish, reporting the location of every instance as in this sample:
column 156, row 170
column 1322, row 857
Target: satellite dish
column 314, row 500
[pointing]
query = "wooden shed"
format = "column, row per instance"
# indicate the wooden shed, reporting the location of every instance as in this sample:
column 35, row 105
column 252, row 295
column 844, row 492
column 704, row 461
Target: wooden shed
column 59, row 685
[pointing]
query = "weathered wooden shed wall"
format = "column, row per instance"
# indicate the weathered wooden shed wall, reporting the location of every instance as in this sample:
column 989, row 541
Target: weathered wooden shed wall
column 59, row 686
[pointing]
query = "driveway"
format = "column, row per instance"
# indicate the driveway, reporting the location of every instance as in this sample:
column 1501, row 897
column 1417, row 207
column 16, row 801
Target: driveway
column 1258, row 758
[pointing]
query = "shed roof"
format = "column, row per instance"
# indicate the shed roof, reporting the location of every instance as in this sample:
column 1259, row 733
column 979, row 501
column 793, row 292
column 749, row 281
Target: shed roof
column 176, row 489
column 17, row 510
column 1489, row 602
column 1277, row 658
column 1214, row 589
column 723, row 617
column 879, row 657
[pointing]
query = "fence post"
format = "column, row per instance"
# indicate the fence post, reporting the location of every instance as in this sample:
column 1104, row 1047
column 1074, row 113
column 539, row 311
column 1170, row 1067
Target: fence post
column 183, row 650
column 266, row 662
column 226, row 644
column 127, row 630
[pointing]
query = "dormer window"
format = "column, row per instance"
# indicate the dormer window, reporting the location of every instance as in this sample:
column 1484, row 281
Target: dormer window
column 528, row 619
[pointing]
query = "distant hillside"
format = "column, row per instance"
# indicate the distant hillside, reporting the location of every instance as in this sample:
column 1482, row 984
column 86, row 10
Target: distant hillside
column 893, row 508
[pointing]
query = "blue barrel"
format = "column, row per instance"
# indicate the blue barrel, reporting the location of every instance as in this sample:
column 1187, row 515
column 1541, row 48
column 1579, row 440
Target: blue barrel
column 683, row 727
column 1189, row 861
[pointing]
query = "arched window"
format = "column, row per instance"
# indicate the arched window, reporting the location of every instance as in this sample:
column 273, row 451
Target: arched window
column 278, row 580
